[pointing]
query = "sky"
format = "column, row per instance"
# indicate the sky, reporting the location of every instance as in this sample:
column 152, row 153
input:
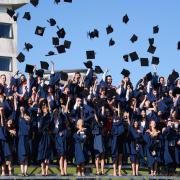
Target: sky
column 81, row 16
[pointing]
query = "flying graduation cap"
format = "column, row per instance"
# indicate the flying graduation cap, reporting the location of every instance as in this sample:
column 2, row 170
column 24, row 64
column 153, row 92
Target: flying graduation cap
column 21, row 57
column 34, row 2
column 52, row 22
column 125, row 72
column 125, row 19
column 55, row 41
column 61, row 32
column 61, row 49
column 39, row 30
column 134, row 56
column 67, row 44
column 44, row 65
column 178, row 45
column 109, row 29
column 28, row 46
column 51, row 53
column 155, row 29
column 155, row 60
column 134, row 38
column 151, row 49
column 88, row 64
column 111, row 42
column 144, row 61
column 93, row 34
column 90, row 54
column 29, row 69
column 27, row 16
column 11, row 12
column 98, row 70
column 126, row 57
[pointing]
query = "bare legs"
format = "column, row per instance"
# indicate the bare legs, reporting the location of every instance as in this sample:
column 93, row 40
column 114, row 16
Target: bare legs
column 80, row 170
column 97, row 161
column 44, row 168
column 63, row 165
column 119, row 162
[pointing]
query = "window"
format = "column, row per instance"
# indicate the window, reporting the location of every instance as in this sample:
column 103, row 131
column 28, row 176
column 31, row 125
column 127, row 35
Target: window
column 5, row 64
column 6, row 30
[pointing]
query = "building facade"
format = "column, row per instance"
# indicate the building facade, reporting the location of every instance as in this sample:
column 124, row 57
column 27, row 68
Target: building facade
column 8, row 37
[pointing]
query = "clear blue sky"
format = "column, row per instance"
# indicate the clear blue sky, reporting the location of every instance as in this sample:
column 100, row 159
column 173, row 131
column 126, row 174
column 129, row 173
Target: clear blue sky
column 83, row 15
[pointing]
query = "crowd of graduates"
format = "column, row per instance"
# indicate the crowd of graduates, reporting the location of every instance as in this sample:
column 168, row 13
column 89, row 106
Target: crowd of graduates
column 85, row 120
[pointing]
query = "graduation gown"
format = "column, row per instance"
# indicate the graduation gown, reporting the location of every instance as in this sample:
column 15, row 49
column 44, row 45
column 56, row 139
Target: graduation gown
column 5, row 152
column 153, row 149
column 44, row 147
column 80, row 149
column 136, row 141
column 117, row 139
column 24, row 141
column 98, row 138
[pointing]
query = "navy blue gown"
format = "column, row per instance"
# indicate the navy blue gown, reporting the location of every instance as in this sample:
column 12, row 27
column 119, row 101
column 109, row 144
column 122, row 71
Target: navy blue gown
column 153, row 149
column 80, row 149
column 60, row 132
column 5, row 152
column 118, row 131
column 44, row 147
column 136, row 149
column 98, row 138
column 24, row 141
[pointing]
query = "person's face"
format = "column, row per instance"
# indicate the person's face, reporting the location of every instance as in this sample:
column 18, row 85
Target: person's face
column 136, row 124
column 152, row 124
column 178, row 83
column 44, row 109
column 3, row 79
column 30, row 101
column 79, row 101
column 109, row 80
column 77, row 77
column 50, row 90
column 170, row 93
column 9, row 123
column 21, row 109
column 1, row 98
column 161, row 80
column 154, row 92
column 147, row 103
column 143, row 113
column 66, row 90
column 22, row 78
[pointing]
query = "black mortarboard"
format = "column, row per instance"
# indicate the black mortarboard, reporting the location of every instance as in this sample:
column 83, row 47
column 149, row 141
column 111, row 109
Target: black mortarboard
column 174, row 75
column 20, row 57
column 40, row 72
column 111, row 42
column 144, row 61
column 10, row 12
column 57, row 1
column 151, row 49
column 149, row 76
column 134, row 38
column 151, row 41
column 52, row 22
column 126, row 57
column 44, row 65
column 34, row 2
column 28, row 46
column 93, row 34
column 61, row 33
column 15, row 17
column 67, row 44
column 63, row 76
column 125, row 72
column 40, row 30
column 90, row 54
column 50, row 53
column 61, row 49
column 27, row 16
column 88, row 64
column 55, row 41
column 178, row 46
column 29, row 69
column 125, row 19
column 109, row 29
column 98, row 70
column 69, row 1
column 155, row 60
column 155, row 29
column 134, row 56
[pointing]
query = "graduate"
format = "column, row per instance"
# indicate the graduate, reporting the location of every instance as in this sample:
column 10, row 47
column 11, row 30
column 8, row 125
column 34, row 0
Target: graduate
column 60, row 130
column 5, row 152
column 117, row 132
column 44, row 147
column 80, row 151
column 136, row 151
column 98, row 143
column 153, row 139
column 24, row 141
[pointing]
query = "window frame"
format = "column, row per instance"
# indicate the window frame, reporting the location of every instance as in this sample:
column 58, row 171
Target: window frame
column 11, row 30
column 11, row 63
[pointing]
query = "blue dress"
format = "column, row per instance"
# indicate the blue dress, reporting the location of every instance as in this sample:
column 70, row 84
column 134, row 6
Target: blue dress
column 44, row 147
column 80, row 150
column 136, row 150
column 24, row 141
column 153, row 149
column 118, row 131
column 60, row 131
column 98, row 138
column 5, row 152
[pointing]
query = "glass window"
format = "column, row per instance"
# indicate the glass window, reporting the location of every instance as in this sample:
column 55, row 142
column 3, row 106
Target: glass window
column 5, row 64
column 6, row 30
